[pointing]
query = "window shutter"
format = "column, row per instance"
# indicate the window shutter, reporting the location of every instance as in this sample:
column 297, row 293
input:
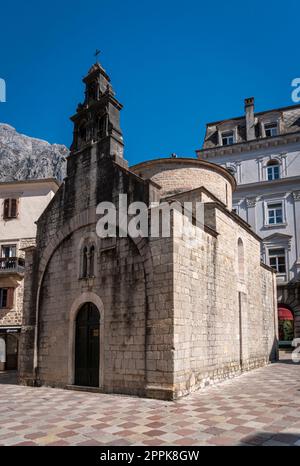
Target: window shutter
column 6, row 208
column 10, row 298
column 13, row 208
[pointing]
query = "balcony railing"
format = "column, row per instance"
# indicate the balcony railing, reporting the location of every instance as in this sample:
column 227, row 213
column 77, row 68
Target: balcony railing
column 12, row 265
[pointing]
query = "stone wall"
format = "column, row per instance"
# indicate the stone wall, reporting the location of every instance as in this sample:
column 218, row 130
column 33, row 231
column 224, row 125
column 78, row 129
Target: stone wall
column 136, row 315
column 120, row 284
column 223, row 322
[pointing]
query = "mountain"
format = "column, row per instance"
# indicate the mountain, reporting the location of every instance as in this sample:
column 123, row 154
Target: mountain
column 23, row 157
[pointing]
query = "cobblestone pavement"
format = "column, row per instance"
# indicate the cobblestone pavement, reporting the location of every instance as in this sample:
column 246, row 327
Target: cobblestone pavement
column 261, row 407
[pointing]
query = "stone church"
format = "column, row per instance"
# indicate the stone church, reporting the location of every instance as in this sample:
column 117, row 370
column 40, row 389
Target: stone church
column 150, row 316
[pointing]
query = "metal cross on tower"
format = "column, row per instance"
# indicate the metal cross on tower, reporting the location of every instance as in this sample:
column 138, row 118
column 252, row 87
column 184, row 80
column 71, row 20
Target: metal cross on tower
column 96, row 54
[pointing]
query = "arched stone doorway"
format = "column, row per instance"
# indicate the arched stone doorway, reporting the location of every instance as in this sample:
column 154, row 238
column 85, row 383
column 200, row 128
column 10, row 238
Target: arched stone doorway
column 87, row 346
column 286, row 325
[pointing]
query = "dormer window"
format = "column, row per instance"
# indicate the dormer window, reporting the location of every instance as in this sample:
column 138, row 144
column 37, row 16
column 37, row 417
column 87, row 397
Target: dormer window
column 271, row 129
column 273, row 170
column 227, row 138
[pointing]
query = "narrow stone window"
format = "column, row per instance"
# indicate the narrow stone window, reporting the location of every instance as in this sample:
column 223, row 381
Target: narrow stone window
column 241, row 259
column 92, row 261
column 82, row 133
column 102, row 124
column 84, row 262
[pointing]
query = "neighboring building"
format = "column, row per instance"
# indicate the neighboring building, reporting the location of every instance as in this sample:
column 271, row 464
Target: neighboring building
column 153, row 316
column 21, row 204
column 262, row 150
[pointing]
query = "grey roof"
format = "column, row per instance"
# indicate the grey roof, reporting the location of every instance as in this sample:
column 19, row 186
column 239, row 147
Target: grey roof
column 290, row 117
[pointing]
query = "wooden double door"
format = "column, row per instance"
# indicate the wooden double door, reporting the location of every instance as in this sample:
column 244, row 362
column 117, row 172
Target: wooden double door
column 87, row 346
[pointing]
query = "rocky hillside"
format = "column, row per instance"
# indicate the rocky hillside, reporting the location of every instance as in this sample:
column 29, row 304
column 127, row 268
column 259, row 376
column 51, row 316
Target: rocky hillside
column 23, row 157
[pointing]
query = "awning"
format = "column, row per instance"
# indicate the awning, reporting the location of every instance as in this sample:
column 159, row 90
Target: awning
column 5, row 330
column 285, row 314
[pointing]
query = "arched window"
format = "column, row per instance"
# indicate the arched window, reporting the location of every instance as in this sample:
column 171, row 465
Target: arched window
column 92, row 91
column 102, row 126
column 273, row 170
column 92, row 261
column 241, row 259
column 84, row 273
column 82, row 132
column 87, row 260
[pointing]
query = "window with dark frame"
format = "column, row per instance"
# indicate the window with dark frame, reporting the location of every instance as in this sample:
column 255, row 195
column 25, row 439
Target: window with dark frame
column 277, row 260
column 10, row 208
column 227, row 138
column 271, row 129
column 8, row 250
column 275, row 213
column 6, row 298
column 273, row 171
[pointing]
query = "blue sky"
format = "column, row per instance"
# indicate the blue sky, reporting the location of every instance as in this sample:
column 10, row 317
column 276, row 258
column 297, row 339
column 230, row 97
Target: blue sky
column 174, row 65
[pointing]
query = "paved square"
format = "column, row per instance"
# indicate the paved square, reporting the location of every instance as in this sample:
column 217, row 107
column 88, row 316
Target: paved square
column 261, row 407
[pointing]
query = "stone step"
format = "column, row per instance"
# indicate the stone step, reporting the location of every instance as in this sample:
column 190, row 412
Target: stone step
column 80, row 388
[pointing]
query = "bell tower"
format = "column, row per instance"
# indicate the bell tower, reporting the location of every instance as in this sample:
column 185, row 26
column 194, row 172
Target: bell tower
column 97, row 119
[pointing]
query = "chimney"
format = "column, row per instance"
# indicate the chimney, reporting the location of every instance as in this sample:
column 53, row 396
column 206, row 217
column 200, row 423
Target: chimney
column 249, row 114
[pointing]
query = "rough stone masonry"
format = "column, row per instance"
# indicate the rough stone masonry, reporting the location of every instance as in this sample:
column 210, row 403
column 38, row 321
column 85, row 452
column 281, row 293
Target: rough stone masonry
column 156, row 317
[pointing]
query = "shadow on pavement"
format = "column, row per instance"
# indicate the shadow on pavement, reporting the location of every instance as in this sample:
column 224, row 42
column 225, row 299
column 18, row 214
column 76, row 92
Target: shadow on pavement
column 9, row 377
column 272, row 439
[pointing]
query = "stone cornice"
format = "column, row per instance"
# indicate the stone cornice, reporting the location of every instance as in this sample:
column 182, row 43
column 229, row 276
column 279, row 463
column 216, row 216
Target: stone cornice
column 266, row 183
column 19, row 183
column 11, row 194
column 251, row 201
column 186, row 162
column 249, row 146
column 296, row 195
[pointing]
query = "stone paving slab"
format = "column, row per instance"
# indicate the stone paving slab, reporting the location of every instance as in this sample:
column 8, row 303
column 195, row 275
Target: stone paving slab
column 261, row 407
